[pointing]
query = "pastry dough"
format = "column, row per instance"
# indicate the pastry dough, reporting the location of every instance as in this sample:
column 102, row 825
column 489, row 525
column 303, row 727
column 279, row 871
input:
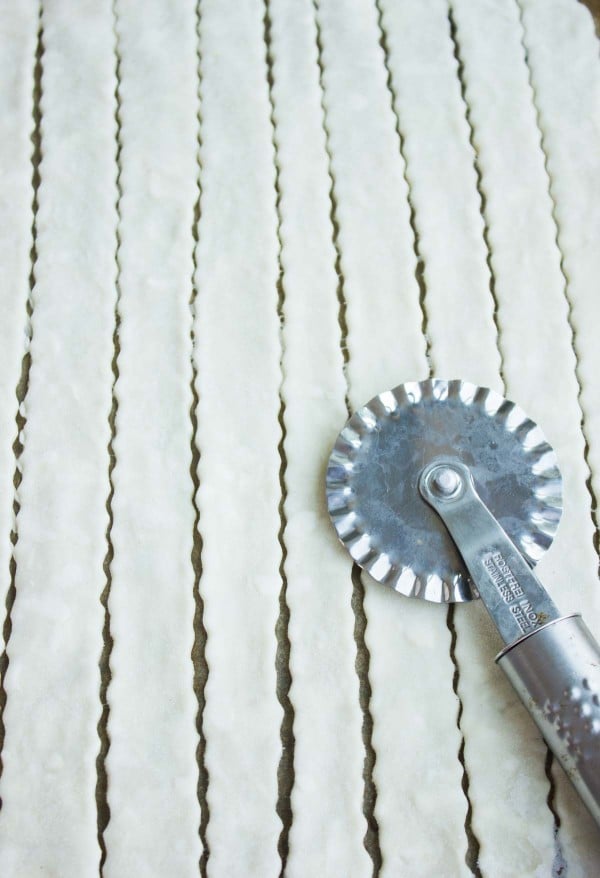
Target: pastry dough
column 48, row 823
column 413, row 705
column 298, row 217
column 238, row 362
column 569, row 118
column 151, row 763
column 539, row 369
column 460, row 304
column 440, row 167
column 326, row 836
column 18, row 28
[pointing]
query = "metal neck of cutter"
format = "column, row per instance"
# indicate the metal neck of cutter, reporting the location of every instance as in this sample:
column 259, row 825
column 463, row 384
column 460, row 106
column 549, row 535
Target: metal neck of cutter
column 514, row 597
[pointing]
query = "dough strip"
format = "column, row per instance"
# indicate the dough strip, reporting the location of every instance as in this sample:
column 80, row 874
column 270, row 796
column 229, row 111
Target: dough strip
column 385, row 343
column 530, row 289
column 48, row 820
column 18, row 37
column 326, row 836
column 151, row 763
column 463, row 342
column 569, row 107
column 237, row 358
column 440, row 168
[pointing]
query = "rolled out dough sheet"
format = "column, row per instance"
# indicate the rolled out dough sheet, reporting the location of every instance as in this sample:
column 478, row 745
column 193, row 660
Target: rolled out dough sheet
column 301, row 203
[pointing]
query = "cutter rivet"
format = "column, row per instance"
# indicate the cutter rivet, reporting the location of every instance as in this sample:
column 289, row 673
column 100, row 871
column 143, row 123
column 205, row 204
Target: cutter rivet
column 445, row 481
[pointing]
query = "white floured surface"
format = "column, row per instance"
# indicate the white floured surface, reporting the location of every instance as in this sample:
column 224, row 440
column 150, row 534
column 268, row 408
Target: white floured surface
column 353, row 192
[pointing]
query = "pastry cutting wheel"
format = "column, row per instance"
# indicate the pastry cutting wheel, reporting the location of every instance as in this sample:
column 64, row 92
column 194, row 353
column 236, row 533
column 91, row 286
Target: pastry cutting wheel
column 446, row 491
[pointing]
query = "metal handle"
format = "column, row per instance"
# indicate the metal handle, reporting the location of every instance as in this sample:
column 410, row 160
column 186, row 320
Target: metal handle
column 556, row 673
column 513, row 595
column 555, row 664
